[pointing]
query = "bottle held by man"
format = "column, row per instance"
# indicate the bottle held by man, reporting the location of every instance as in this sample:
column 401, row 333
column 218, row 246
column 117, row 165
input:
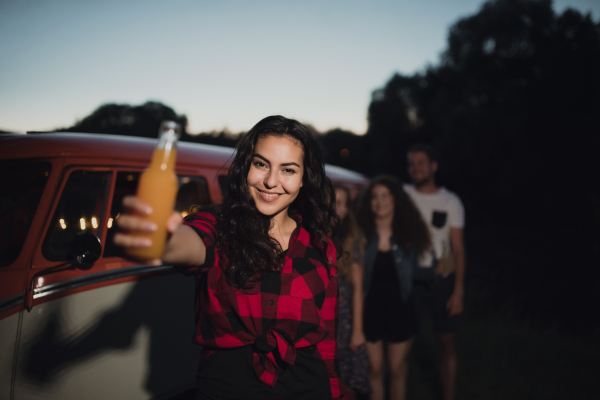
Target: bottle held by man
column 158, row 187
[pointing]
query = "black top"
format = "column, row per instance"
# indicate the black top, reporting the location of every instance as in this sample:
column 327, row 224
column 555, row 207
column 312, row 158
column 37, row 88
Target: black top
column 386, row 315
column 385, row 279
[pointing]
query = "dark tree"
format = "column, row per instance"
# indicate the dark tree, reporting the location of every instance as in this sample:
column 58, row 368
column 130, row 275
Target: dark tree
column 123, row 119
column 223, row 138
column 514, row 109
column 393, row 126
column 345, row 149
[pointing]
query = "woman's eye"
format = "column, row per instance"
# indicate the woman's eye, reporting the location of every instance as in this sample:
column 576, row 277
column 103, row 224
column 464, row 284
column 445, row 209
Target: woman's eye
column 259, row 164
column 289, row 171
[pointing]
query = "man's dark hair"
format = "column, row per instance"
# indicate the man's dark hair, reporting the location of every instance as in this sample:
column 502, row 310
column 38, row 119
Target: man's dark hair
column 425, row 148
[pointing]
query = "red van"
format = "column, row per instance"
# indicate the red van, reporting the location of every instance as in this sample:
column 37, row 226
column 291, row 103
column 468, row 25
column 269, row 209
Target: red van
column 78, row 321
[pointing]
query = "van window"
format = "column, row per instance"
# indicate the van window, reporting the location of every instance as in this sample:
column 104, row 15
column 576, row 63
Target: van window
column 125, row 185
column 193, row 191
column 80, row 209
column 21, row 188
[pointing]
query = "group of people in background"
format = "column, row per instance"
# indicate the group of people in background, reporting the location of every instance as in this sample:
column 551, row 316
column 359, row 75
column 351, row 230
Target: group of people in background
column 403, row 256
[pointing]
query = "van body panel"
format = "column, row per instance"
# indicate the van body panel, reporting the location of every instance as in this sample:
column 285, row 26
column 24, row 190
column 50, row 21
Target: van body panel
column 9, row 325
column 12, row 289
column 110, row 342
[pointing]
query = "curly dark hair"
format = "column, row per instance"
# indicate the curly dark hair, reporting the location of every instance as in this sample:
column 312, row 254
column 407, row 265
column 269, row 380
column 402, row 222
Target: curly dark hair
column 244, row 231
column 408, row 226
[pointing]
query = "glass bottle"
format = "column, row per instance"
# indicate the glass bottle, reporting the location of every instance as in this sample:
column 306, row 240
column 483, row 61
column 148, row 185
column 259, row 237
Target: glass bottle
column 158, row 187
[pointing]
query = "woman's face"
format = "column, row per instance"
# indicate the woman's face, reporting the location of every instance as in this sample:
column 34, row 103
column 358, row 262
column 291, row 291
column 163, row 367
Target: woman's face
column 382, row 202
column 275, row 175
column 341, row 199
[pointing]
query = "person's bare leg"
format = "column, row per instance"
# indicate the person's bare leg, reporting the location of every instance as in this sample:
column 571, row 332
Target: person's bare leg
column 375, row 356
column 398, row 364
column 448, row 364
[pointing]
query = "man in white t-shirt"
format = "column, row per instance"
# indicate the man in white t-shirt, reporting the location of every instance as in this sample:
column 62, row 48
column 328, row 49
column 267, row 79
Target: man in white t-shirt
column 439, row 277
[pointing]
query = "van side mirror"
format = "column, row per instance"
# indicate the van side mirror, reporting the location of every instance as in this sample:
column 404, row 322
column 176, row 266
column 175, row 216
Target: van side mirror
column 84, row 251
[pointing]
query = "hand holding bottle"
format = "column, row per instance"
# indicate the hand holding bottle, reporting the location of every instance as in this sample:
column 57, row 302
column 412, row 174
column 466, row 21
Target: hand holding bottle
column 155, row 198
column 149, row 221
column 136, row 228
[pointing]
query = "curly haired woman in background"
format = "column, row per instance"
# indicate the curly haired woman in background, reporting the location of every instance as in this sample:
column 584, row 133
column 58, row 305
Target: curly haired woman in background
column 397, row 235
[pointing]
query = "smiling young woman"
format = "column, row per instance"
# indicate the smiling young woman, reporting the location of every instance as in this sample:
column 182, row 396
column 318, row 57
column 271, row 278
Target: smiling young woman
column 266, row 279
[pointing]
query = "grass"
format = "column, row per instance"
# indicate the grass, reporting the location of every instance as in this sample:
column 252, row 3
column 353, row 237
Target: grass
column 502, row 358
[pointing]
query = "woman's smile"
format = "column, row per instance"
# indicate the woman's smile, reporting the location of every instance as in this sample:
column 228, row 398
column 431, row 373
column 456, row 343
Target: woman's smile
column 268, row 196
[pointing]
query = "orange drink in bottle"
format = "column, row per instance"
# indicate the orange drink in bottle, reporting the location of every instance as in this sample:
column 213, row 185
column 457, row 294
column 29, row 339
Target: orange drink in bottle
column 158, row 187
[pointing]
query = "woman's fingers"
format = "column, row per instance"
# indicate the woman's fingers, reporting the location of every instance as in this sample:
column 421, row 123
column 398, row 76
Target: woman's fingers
column 357, row 340
column 135, row 204
column 132, row 225
column 129, row 241
column 130, row 222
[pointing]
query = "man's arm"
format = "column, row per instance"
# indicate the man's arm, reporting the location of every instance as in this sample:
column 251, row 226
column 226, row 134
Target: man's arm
column 455, row 303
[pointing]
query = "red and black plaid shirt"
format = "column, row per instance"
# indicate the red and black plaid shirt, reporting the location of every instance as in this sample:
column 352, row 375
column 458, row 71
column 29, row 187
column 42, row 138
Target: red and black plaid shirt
column 294, row 309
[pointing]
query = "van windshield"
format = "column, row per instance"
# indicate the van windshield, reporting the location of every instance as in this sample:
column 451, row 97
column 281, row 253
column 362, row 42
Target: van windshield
column 21, row 188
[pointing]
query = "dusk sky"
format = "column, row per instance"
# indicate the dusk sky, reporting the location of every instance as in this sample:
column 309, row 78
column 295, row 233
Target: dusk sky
column 225, row 64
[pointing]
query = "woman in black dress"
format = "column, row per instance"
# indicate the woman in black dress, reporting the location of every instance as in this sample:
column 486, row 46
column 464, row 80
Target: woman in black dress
column 396, row 235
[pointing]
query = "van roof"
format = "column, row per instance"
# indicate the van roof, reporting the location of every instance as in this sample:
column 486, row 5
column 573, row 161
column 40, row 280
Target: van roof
column 98, row 145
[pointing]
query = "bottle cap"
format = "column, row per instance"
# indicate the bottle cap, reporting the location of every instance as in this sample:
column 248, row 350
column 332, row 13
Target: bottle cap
column 171, row 129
